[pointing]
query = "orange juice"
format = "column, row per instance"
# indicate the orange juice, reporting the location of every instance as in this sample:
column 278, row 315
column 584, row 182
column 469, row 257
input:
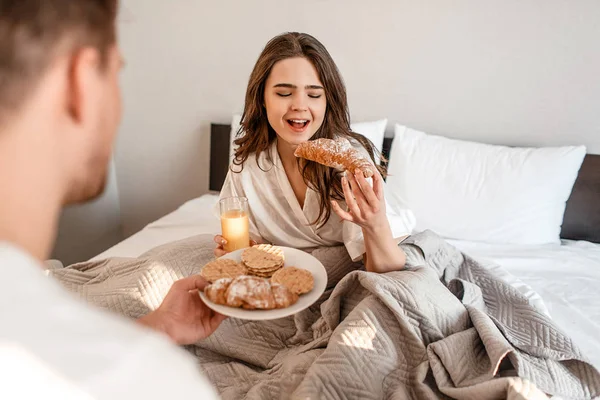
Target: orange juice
column 235, row 229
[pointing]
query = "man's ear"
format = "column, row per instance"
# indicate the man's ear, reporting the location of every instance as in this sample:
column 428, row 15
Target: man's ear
column 83, row 68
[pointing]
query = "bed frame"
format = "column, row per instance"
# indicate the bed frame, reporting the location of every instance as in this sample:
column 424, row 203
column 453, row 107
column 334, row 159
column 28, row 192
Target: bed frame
column 582, row 214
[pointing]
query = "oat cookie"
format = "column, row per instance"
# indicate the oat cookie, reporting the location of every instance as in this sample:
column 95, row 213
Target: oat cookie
column 263, row 273
column 263, row 258
column 297, row 280
column 222, row 268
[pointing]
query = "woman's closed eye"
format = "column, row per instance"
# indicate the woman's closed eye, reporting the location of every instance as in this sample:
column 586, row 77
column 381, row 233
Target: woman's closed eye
column 315, row 96
column 284, row 94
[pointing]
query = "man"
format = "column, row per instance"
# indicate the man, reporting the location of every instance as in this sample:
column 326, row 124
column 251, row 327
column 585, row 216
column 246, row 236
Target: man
column 59, row 111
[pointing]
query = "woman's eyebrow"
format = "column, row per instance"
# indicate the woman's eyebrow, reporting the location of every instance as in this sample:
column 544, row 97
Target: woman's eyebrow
column 290, row 86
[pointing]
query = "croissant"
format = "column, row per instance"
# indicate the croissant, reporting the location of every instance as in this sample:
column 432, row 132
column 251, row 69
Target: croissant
column 250, row 292
column 338, row 154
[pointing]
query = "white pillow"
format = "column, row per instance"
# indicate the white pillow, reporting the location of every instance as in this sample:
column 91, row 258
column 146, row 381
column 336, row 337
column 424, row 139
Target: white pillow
column 374, row 131
column 479, row 192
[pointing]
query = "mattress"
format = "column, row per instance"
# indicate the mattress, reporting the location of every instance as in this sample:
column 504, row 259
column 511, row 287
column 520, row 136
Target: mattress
column 562, row 280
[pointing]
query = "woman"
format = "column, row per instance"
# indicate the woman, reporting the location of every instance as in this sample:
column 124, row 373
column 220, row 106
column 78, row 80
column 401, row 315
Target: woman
column 296, row 94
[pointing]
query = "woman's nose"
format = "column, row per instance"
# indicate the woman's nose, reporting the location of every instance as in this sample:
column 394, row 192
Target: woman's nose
column 299, row 103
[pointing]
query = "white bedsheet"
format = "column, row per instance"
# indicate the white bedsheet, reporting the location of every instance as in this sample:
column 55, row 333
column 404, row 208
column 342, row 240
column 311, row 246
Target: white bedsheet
column 566, row 276
column 193, row 218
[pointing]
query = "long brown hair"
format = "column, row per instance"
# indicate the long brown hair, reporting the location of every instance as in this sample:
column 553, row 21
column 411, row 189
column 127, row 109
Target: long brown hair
column 256, row 134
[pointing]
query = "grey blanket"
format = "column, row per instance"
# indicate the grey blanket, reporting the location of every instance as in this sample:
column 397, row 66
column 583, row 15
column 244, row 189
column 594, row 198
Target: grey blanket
column 443, row 328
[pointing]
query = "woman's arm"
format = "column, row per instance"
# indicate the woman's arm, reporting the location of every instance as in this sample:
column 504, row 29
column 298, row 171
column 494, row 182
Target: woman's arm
column 366, row 208
column 382, row 253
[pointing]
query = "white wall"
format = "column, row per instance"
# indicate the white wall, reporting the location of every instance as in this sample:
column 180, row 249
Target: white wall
column 88, row 229
column 511, row 72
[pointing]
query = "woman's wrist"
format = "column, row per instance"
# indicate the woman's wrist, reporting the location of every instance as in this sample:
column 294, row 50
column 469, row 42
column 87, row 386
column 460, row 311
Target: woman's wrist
column 384, row 254
column 380, row 231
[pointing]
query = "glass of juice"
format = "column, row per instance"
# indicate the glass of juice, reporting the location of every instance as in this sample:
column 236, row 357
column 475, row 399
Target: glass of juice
column 234, row 223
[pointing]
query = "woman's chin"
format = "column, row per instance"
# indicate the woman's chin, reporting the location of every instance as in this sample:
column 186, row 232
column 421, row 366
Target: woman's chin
column 295, row 140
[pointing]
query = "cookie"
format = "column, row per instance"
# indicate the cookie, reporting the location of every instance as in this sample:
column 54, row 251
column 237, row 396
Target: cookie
column 283, row 296
column 263, row 258
column 250, row 292
column 297, row 280
column 222, row 268
column 263, row 273
column 216, row 292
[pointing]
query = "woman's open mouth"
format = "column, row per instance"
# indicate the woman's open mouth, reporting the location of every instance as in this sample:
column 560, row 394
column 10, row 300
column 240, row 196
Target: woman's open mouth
column 298, row 125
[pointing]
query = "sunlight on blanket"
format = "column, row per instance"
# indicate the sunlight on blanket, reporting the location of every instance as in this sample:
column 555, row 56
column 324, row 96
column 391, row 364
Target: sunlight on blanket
column 19, row 369
column 360, row 334
column 154, row 284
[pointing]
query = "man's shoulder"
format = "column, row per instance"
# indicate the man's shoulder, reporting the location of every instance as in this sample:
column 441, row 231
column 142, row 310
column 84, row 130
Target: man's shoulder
column 87, row 347
column 17, row 264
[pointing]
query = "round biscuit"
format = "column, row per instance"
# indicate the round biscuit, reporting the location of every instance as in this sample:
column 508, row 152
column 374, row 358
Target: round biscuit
column 264, row 270
column 262, row 275
column 269, row 248
column 298, row 280
column 258, row 259
column 222, row 268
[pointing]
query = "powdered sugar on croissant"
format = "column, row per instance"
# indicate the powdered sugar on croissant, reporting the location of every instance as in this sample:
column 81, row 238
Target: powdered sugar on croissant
column 338, row 154
column 250, row 292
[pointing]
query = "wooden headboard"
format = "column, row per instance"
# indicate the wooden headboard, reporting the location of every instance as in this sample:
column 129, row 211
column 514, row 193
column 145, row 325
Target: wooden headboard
column 582, row 214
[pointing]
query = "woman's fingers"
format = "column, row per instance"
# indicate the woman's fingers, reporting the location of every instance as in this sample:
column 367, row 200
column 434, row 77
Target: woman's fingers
column 349, row 196
column 357, row 191
column 367, row 190
column 220, row 240
column 218, row 252
column 378, row 185
column 344, row 215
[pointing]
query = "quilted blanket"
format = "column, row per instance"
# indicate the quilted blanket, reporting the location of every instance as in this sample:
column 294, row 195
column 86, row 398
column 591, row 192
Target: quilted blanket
column 443, row 328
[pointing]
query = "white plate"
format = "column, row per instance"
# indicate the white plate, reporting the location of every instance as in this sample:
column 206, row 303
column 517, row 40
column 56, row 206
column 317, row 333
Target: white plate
column 295, row 258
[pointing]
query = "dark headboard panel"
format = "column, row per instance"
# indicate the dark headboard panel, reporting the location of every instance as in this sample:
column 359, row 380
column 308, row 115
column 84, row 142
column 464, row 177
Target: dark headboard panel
column 219, row 155
column 582, row 215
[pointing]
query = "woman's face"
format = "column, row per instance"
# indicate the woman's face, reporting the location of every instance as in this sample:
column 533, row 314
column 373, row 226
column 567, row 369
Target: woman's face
column 295, row 100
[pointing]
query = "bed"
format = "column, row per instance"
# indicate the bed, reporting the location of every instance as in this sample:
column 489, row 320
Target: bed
column 565, row 276
column 559, row 280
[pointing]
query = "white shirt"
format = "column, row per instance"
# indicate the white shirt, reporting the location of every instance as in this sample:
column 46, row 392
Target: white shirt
column 277, row 218
column 54, row 346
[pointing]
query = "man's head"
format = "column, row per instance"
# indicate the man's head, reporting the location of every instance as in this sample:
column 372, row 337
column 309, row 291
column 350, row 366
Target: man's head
column 59, row 65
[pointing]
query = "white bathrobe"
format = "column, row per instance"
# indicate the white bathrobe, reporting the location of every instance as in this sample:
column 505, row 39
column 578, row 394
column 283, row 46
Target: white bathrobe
column 277, row 218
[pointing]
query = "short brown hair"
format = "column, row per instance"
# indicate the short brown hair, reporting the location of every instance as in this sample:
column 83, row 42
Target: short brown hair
column 32, row 32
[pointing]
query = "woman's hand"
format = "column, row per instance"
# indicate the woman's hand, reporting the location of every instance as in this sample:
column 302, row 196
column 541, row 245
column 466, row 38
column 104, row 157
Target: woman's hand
column 366, row 204
column 221, row 242
column 366, row 208
column 219, row 250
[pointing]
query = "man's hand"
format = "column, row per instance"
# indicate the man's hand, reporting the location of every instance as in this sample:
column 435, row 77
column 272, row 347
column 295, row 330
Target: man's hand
column 183, row 316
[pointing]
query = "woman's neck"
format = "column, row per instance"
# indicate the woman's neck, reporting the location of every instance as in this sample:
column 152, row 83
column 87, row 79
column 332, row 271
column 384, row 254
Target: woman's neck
column 286, row 152
column 292, row 170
